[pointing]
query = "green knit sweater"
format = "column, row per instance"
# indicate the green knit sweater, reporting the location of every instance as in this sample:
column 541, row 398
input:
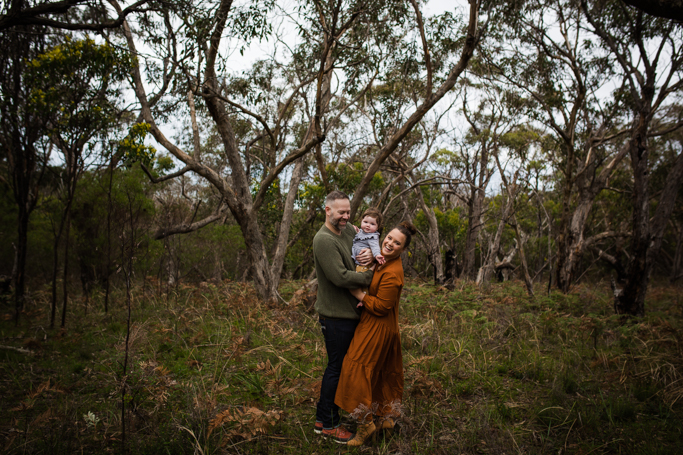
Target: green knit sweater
column 337, row 274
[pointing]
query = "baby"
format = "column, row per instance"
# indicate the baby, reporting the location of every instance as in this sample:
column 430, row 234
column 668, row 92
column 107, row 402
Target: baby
column 368, row 237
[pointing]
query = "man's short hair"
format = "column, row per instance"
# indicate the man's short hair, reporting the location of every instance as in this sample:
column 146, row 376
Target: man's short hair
column 334, row 195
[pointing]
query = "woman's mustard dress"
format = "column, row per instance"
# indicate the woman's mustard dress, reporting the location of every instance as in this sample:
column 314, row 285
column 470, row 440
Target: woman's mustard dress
column 371, row 380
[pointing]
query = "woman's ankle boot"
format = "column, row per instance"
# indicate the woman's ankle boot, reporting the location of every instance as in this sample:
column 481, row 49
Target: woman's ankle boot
column 387, row 425
column 363, row 432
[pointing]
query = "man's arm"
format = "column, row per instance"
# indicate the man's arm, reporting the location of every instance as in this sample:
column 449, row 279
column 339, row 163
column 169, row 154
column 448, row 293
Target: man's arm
column 365, row 257
column 332, row 264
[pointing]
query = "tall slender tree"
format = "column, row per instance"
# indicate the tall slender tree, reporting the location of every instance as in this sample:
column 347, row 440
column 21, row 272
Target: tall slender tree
column 649, row 53
column 20, row 133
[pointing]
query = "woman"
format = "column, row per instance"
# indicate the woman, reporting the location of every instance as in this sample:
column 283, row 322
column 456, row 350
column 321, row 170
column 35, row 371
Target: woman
column 371, row 381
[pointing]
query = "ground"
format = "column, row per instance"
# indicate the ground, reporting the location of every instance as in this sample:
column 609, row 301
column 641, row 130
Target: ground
column 212, row 370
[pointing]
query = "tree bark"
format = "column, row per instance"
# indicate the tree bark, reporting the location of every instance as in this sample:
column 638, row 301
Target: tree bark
column 474, row 226
column 522, row 256
column 632, row 299
column 286, row 223
column 485, row 271
column 676, row 269
column 573, row 239
column 55, row 266
column 433, row 243
column 18, row 135
column 65, row 288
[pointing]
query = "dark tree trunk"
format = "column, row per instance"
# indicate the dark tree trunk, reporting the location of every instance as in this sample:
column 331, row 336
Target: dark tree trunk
column 676, row 269
column 65, row 279
column 19, row 131
column 564, row 237
column 473, row 227
column 109, row 208
column 55, row 267
column 632, row 299
column 20, row 261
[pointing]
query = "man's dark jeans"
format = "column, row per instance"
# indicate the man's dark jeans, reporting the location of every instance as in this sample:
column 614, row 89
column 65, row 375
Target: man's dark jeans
column 338, row 334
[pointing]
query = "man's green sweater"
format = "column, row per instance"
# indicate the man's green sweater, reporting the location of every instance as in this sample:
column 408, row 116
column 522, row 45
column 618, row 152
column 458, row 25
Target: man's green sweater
column 337, row 274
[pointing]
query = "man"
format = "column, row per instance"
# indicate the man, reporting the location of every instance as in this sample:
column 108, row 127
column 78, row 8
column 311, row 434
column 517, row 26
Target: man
column 335, row 305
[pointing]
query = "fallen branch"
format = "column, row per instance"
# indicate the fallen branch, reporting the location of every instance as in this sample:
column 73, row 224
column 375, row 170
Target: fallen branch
column 21, row 350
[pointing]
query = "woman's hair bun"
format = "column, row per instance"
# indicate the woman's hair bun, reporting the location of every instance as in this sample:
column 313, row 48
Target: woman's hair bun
column 409, row 227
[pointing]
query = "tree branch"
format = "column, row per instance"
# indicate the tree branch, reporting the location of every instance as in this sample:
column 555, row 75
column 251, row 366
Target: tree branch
column 266, row 182
column 162, row 233
column 425, row 47
column 165, row 177
column 472, row 38
column 31, row 16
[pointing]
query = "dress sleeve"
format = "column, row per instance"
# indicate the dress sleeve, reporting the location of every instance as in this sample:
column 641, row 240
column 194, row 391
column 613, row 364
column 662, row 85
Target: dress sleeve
column 387, row 296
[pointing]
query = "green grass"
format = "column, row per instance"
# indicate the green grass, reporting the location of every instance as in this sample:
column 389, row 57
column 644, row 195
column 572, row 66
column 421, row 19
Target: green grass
column 213, row 370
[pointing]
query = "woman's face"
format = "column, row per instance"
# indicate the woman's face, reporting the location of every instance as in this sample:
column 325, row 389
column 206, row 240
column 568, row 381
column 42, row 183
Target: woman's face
column 393, row 244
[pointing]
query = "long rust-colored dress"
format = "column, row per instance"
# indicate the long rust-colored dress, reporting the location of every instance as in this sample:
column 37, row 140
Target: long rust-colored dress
column 371, row 380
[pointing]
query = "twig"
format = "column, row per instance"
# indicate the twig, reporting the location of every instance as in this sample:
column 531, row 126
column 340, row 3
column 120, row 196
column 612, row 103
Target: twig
column 22, row 350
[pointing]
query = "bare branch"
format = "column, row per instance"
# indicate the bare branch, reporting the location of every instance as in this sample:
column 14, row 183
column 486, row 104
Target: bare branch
column 425, row 47
column 195, row 128
column 603, row 236
column 266, row 182
column 472, row 38
column 162, row 233
column 260, row 119
column 165, row 177
column 33, row 16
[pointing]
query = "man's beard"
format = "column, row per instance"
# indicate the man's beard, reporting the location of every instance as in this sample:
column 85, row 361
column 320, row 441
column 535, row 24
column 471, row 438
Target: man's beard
column 336, row 222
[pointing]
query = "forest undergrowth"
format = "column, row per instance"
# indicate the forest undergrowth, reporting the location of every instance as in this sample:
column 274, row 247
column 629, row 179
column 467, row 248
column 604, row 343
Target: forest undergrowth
column 213, row 370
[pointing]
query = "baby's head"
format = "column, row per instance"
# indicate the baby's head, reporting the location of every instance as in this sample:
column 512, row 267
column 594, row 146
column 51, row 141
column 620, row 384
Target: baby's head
column 371, row 221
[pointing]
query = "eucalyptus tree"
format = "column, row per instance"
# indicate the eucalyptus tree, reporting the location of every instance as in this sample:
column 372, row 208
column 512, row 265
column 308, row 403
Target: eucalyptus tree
column 24, row 155
column 511, row 149
column 74, row 88
column 426, row 185
column 551, row 61
column 423, row 75
column 497, row 113
column 279, row 133
column 648, row 52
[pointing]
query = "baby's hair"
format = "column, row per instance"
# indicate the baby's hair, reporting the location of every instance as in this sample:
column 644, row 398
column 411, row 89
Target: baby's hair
column 408, row 229
column 376, row 214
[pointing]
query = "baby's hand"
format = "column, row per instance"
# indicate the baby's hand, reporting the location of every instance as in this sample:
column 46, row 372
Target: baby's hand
column 360, row 304
column 380, row 259
column 356, row 228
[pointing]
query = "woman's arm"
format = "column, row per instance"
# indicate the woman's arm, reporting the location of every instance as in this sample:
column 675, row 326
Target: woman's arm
column 387, row 296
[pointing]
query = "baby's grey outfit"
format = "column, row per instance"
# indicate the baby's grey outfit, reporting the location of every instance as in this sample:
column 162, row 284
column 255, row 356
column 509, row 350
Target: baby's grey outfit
column 364, row 240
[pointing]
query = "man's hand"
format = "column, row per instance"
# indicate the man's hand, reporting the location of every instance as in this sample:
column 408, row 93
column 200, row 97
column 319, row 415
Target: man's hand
column 364, row 258
column 359, row 295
